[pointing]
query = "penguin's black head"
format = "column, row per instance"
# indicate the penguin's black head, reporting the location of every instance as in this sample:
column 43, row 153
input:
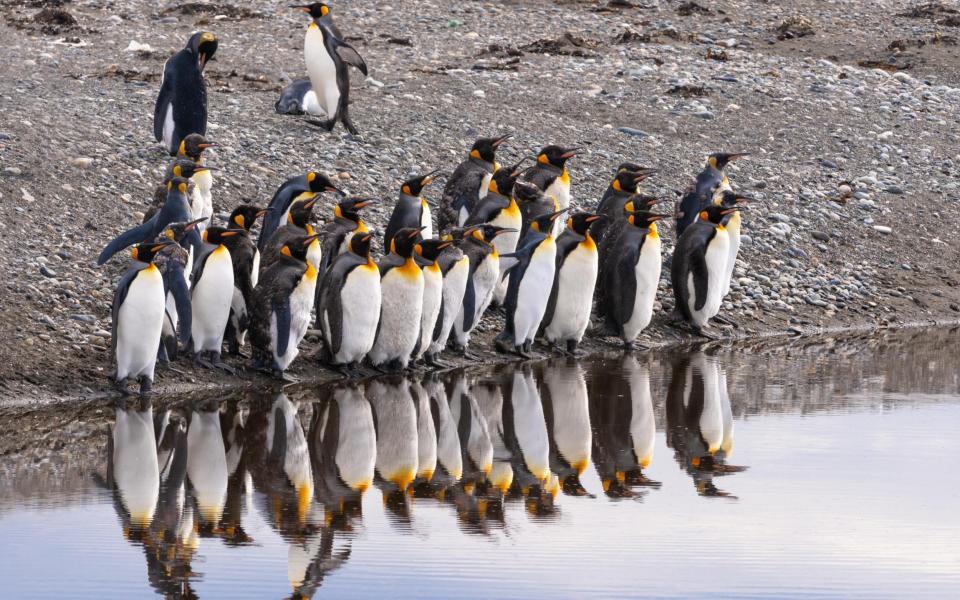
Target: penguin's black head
column 321, row 183
column 298, row 246
column 645, row 219
column 628, row 180
column 223, row 236
column 504, row 179
column 405, row 240
column 193, row 146
column 431, row 249
column 301, row 212
column 556, row 155
column 245, row 215
column 175, row 232
column 177, row 183
column 526, row 192
column 639, row 202
column 580, row 222
column 203, row 44
column 360, row 244
column 316, row 10
column 414, row 186
column 730, row 198
column 181, row 167
column 719, row 160
column 629, row 166
column 350, row 208
column 147, row 252
column 487, row 232
column 486, row 148
column 716, row 213
column 544, row 223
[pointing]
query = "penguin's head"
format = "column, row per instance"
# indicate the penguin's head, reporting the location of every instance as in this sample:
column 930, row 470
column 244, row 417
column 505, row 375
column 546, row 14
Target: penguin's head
column 431, row 249
column 175, row 232
column 644, row 219
column 350, row 208
column 316, row 10
column 203, row 45
column 317, row 182
column 415, row 185
column 245, row 215
column 487, row 232
column 556, row 155
column 178, row 184
column 730, row 198
column 404, row 241
column 301, row 212
column 719, row 160
column 639, row 202
column 486, row 148
column 628, row 180
column 182, row 167
column 544, row 223
column 193, row 146
column 298, row 246
column 580, row 222
column 504, row 179
column 360, row 244
column 147, row 252
column 223, row 236
column 715, row 213
column 526, row 192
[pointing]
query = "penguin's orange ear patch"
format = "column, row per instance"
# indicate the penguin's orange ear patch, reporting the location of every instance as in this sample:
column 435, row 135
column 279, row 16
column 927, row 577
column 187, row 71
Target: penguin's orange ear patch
column 704, row 216
column 324, row 10
column 285, row 251
column 475, row 154
column 406, row 190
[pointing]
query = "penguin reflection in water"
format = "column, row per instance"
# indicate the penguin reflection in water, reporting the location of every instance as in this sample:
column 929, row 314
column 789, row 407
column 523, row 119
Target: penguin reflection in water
column 328, row 57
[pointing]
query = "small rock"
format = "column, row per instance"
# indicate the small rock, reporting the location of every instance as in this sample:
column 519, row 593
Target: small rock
column 479, row 93
column 633, row 132
column 894, row 189
column 882, row 229
column 829, row 163
column 819, row 235
column 47, row 272
column 82, row 162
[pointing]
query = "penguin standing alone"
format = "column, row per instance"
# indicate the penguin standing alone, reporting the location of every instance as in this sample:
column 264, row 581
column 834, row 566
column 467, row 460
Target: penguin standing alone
column 631, row 277
column 401, row 286
column 282, row 306
column 411, row 210
column 181, row 107
column 137, row 319
column 469, row 183
column 571, row 297
column 327, row 57
column 349, row 310
column 700, row 267
column 211, row 296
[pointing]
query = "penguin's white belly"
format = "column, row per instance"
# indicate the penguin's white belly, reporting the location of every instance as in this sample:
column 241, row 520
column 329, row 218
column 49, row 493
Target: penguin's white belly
column 484, row 186
column 717, row 256
column 238, row 310
column 172, row 317
column 454, row 286
column 647, row 273
column 479, row 444
column 140, row 321
column 204, row 185
column 505, row 244
column 301, row 305
column 311, row 106
column 322, row 71
column 396, row 415
column 484, row 280
column 711, row 418
column 577, row 279
column 432, row 297
column 168, row 126
column 534, row 292
column 561, row 191
column 426, row 220
column 401, row 305
column 314, row 254
column 727, row 444
column 733, row 230
column 211, row 302
column 643, row 430
column 356, row 452
column 530, row 426
column 360, row 300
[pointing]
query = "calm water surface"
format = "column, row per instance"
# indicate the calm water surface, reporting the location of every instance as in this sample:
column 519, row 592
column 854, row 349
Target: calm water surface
column 819, row 469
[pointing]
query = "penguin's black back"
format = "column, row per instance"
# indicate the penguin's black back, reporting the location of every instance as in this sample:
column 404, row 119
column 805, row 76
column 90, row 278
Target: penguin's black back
column 461, row 189
column 541, row 175
column 280, row 237
column 487, row 209
column 528, row 245
column 279, row 204
column 619, row 277
column 274, row 287
column 698, row 197
column 690, row 255
column 184, row 88
column 406, row 213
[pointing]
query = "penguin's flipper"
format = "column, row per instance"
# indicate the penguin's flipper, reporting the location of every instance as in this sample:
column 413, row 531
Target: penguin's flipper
column 163, row 102
column 438, row 326
column 350, row 55
column 281, row 308
column 181, row 297
column 624, row 286
column 127, row 238
column 551, row 302
column 698, row 266
column 469, row 304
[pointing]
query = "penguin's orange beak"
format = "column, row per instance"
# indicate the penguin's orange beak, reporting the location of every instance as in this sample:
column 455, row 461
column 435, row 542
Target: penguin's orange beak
column 414, row 234
column 501, row 140
column 194, row 223
column 300, row 7
column 569, row 153
column 593, row 218
column 363, row 204
column 260, row 213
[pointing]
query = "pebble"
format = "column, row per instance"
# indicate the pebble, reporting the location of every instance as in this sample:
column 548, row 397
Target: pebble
column 829, row 163
column 882, row 229
column 82, row 162
column 819, row 235
column 894, row 189
column 47, row 272
column 479, row 93
column 634, row 132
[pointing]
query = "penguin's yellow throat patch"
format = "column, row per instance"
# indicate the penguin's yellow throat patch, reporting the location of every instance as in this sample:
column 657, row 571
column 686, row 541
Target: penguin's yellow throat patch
column 653, row 232
column 410, row 270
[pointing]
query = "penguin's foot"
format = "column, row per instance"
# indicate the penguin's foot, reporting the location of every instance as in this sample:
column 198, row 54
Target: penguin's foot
column 458, row 348
column 503, row 346
column 284, row 376
column 146, row 387
column 725, row 321
column 347, row 370
column 675, row 318
column 572, row 348
column 121, row 386
column 433, row 360
column 706, row 332
column 219, row 364
column 201, row 361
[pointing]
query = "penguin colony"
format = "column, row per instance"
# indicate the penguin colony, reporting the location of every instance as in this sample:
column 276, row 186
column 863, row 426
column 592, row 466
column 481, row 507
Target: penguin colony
column 504, row 236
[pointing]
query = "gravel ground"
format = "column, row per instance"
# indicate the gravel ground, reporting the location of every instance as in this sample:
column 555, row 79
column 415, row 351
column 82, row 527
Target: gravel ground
column 852, row 120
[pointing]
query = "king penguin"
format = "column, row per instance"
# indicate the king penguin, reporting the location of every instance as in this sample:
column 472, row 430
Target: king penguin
column 469, row 183
column 699, row 268
column 349, row 310
column 733, row 224
column 301, row 187
column 411, row 210
column 620, row 191
column 298, row 224
column 282, row 305
column 481, row 280
column 335, row 235
column 244, row 216
column 181, row 107
column 710, row 183
column 427, row 254
column 176, row 266
column 137, row 318
column 327, row 56
column 178, row 167
column 201, row 197
column 401, row 286
column 211, row 296
column 631, row 277
column 566, row 410
column 551, row 176
column 571, row 297
column 528, row 290
column 298, row 98
column 455, row 268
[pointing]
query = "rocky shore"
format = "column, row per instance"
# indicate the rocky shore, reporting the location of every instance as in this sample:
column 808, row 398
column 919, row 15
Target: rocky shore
column 851, row 113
